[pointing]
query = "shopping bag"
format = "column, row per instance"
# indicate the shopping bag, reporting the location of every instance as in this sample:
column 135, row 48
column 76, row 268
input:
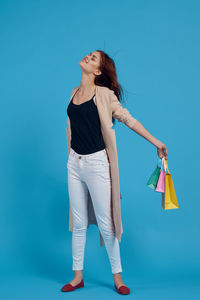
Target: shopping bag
column 161, row 180
column 152, row 182
column 166, row 166
column 169, row 199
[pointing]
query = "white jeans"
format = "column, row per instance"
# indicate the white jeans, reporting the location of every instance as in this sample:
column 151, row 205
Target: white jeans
column 91, row 173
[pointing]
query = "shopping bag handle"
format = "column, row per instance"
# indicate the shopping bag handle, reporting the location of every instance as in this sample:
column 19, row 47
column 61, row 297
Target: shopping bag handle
column 166, row 165
column 162, row 165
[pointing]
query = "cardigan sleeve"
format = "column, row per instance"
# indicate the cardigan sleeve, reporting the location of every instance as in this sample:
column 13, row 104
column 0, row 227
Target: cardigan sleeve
column 121, row 113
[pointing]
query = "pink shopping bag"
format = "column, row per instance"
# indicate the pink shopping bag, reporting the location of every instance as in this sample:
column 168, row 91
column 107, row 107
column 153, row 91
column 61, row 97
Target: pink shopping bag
column 161, row 180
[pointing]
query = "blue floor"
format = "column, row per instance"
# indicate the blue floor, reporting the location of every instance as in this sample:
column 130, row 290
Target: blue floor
column 36, row 287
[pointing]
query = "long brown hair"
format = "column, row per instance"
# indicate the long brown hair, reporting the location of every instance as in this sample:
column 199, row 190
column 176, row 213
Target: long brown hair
column 108, row 77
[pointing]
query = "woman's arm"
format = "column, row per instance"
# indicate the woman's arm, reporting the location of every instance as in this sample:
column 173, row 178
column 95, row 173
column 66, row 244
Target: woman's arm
column 161, row 148
column 124, row 116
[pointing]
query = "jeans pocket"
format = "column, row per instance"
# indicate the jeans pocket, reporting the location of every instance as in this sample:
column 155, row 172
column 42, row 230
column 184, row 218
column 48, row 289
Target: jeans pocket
column 97, row 160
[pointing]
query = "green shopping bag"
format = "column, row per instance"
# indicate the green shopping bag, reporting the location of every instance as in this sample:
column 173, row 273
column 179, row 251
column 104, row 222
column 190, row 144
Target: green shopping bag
column 153, row 180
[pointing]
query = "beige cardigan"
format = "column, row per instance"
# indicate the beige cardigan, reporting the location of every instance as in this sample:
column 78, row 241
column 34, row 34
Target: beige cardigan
column 108, row 106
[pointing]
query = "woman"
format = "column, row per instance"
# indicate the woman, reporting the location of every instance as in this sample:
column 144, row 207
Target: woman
column 93, row 177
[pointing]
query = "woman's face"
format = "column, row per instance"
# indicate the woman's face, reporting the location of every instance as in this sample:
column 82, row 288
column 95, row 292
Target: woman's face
column 90, row 63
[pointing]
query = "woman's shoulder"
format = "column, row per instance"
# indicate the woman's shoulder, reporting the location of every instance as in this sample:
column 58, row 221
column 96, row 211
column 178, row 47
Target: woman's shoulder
column 105, row 89
column 101, row 88
column 106, row 93
column 75, row 88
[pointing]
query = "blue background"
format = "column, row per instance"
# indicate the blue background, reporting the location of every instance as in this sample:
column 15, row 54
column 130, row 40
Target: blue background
column 156, row 46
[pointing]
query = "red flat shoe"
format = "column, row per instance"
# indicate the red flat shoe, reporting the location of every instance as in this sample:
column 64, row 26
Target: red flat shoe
column 69, row 287
column 123, row 290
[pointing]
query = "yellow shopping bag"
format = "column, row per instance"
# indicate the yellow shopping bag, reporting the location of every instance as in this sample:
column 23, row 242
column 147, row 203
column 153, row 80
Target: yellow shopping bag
column 169, row 199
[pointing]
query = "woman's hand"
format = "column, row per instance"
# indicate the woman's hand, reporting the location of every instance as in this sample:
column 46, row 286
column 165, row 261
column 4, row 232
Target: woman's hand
column 162, row 150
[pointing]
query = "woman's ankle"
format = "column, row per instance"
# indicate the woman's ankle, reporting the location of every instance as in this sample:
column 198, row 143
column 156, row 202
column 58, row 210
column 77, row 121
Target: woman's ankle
column 117, row 276
column 78, row 274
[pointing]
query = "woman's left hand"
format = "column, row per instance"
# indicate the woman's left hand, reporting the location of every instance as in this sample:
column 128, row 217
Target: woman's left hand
column 162, row 150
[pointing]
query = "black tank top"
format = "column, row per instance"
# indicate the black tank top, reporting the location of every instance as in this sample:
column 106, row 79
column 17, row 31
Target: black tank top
column 86, row 136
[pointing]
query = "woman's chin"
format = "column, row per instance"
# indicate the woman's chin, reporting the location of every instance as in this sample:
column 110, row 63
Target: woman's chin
column 81, row 63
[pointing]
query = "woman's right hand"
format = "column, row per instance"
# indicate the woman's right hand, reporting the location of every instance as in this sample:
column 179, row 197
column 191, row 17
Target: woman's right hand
column 162, row 150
